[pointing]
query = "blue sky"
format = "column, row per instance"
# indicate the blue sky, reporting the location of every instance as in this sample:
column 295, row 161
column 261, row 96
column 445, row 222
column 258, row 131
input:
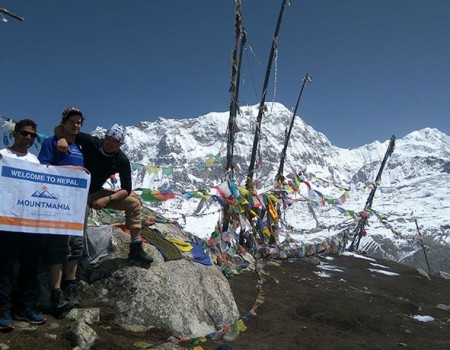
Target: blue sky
column 379, row 67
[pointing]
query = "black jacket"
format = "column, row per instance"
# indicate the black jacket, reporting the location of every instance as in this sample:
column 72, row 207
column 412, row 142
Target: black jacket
column 101, row 166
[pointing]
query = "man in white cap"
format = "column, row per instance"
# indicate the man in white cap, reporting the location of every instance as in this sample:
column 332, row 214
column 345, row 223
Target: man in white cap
column 103, row 158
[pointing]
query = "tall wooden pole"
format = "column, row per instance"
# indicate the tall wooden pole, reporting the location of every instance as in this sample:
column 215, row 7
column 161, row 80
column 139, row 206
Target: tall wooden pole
column 251, row 168
column 306, row 79
column 362, row 221
column 422, row 244
column 240, row 39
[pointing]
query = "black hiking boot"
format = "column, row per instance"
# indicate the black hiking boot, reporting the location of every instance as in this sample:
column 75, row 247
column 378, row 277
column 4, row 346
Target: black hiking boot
column 71, row 290
column 138, row 254
column 60, row 303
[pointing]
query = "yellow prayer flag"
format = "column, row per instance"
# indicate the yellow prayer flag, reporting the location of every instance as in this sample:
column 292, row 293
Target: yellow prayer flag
column 152, row 169
column 210, row 162
column 289, row 188
column 243, row 191
column 241, row 326
column 275, row 199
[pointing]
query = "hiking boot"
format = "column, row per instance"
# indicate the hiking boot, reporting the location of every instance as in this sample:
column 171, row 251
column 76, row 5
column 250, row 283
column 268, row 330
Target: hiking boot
column 71, row 291
column 6, row 322
column 60, row 303
column 30, row 314
column 138, row 254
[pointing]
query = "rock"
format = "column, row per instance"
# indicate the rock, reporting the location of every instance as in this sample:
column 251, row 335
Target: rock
column 167, row 346
column 85, row 289
column 183, row 297
column 53, row 325
column 444, row 275
column 423, row 273
column 312, row 260
column 443, row 307
column 3, row 346
column 82, row 335
column 24, row 326
column 88, row 316
column 50, row 336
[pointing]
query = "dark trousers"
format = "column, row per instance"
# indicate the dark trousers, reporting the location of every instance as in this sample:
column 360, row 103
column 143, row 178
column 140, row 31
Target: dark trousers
column 25, row 249
column 59, row 249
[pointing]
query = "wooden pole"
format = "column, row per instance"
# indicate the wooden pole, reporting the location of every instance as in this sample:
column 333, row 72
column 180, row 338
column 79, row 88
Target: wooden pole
column 305, row 80
column 362, row 222
column 240, row 39
column 251, row 168
column 422, row 244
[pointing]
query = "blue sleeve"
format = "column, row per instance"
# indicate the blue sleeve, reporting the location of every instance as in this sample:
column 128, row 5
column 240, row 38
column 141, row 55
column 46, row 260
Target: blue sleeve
column 47, row 151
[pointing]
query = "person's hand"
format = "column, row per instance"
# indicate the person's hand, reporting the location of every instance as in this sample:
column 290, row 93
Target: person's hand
column 62, row 145
column 82, row 168
column 100, row 203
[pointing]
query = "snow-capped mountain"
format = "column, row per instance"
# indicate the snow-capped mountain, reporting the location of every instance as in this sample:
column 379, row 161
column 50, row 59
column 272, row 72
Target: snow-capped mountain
column 414, row 186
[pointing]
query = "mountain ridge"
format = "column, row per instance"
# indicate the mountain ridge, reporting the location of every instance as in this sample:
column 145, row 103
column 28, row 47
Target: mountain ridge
column 413, row 186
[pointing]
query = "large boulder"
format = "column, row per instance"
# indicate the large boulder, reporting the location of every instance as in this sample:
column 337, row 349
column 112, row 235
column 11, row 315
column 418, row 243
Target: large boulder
column 181, row 296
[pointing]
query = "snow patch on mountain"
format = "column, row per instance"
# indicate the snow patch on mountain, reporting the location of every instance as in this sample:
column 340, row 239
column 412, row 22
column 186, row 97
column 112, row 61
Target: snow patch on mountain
column 414, row 185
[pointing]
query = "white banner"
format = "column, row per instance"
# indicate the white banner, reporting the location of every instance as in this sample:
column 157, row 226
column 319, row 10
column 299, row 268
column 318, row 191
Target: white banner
column 41, row 199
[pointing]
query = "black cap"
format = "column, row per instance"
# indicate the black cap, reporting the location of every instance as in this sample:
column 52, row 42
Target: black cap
column 68, row 112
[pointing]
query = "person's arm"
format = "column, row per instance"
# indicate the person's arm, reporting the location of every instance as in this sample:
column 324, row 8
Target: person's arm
column 61, row 145
column 81, row 139
column 75, row 167
column 46, row 154
column 102, row 202
column 125, row 184
column 125, row 173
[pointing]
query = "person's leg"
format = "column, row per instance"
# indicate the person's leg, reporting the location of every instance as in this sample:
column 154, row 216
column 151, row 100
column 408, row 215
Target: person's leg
column 132, row 208
column 70, row 285
column 137, row 251
column 70, row 270
column 130, row 205
column 56, row 250
column 56, row 273
column 9, row 244
column 29, row 254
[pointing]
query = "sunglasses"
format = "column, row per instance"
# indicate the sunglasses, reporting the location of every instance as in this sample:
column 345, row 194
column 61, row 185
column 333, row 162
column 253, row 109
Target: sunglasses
column 28, row 133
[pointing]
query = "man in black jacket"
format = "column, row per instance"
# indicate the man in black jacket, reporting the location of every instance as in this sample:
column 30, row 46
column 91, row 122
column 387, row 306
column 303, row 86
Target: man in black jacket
column 103, row 158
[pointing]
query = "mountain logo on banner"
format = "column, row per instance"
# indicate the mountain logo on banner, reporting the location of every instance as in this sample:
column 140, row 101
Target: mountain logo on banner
column 44, row 194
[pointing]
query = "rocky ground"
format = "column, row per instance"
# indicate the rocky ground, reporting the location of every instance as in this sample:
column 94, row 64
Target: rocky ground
column 344, row 302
